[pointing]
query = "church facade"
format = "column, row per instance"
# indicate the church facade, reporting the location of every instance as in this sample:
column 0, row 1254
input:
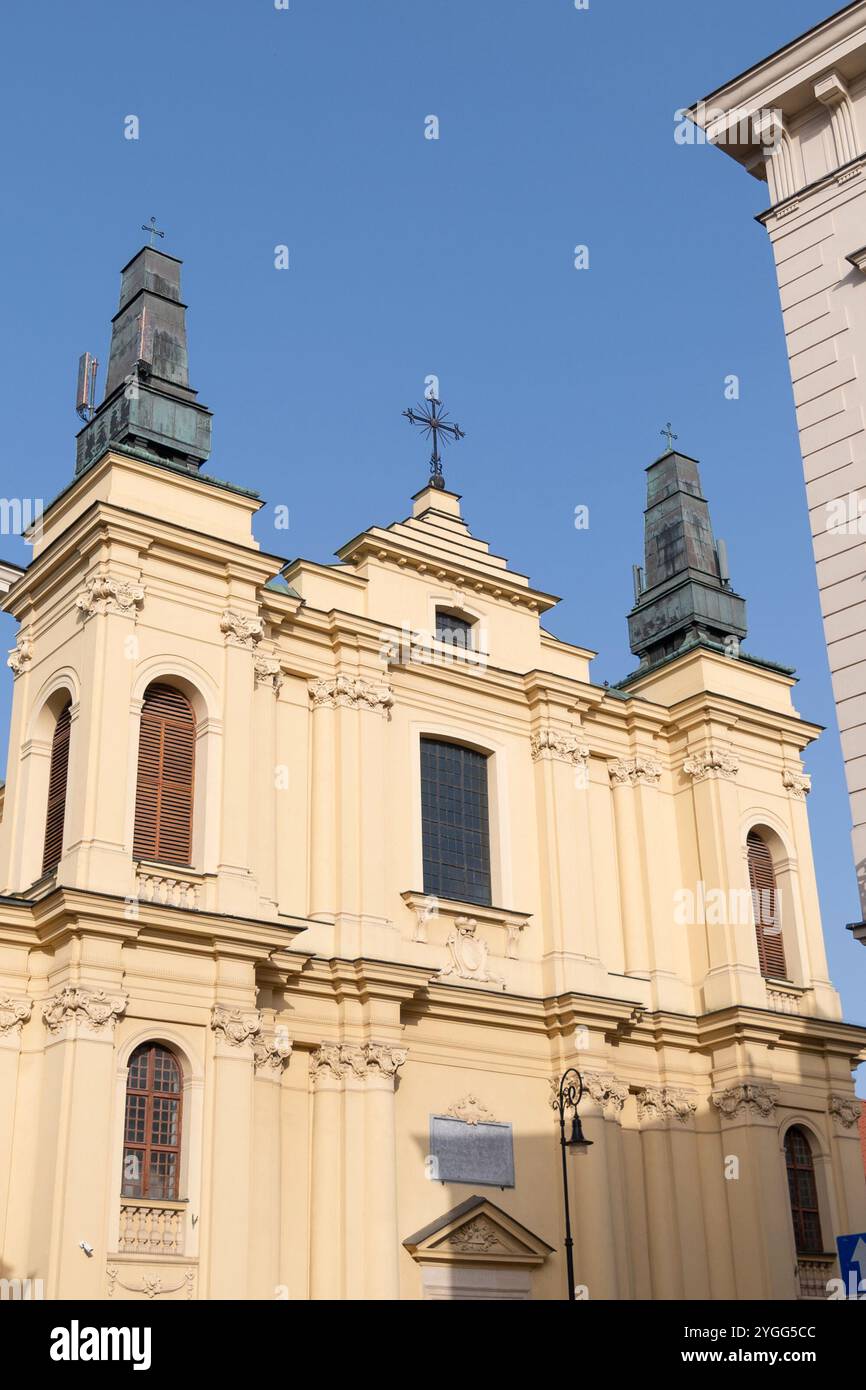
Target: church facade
column 314, row 879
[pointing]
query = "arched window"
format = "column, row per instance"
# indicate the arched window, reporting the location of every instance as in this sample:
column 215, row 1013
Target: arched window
column 455, row 822
column 768, row 908
column 58, row 777
column 152, row 1124
column 803, row 1192
column 166, row 766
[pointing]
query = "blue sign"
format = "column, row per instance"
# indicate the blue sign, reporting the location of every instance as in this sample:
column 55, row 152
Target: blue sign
column 852, row 1262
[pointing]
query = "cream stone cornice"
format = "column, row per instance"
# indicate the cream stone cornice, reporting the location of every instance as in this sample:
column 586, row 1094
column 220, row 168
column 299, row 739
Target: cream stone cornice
column 99, row 530
column 786, row 78
column 64, row 913
column 383, row 547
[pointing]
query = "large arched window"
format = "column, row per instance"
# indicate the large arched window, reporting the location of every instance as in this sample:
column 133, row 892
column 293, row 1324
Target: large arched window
column 455, row 822
column 768, row 908
column 152, row 1124
column 58, row 777
column 803, row 1192
column 166, row 768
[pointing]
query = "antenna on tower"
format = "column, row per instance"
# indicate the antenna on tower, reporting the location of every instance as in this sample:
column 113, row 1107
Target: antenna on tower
column 85, row 396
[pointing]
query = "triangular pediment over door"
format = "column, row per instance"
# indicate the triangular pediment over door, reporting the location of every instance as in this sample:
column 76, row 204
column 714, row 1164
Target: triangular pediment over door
column 477, row 1251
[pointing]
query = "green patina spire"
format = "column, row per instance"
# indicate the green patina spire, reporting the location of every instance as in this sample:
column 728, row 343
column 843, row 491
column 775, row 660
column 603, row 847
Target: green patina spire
column 149, row 404
column 683, row 596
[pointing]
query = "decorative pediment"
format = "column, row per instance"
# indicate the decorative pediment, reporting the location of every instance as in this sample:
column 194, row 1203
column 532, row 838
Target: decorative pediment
column 477, row 1232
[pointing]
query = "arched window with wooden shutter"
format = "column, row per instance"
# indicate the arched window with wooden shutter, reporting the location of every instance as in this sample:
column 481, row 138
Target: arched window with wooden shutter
column 166, row 769
column 803, row 1192
column 58, row 778
column 767, row 908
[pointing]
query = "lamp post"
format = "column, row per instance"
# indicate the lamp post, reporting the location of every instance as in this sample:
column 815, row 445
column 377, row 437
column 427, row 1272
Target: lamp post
column 569, row 1098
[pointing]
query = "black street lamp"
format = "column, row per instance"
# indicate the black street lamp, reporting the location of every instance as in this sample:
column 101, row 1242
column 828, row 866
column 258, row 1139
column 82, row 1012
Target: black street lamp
column 569, row 1098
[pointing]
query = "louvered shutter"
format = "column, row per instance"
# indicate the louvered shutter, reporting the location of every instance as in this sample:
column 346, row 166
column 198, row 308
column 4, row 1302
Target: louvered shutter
column 166, row 765
column 767, row 907
column 57, row 780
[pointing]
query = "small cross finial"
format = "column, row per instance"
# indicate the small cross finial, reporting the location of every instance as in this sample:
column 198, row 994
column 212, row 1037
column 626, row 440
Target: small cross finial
column 432, row 420
column 669, row 435
column 153, row 229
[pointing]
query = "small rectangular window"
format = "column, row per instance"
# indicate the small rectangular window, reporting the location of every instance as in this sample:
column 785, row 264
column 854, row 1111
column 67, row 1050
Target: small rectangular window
column 455, row 822
column 457, row 632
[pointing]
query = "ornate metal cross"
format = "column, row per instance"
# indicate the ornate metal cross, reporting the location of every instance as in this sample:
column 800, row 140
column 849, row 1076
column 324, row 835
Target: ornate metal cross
column 434, row 421
column 670, row 435
column 153, row 229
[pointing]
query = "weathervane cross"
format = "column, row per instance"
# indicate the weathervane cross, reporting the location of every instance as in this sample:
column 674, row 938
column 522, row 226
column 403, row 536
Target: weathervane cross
column 153, row 229
column 434, row 421
column 668, row 432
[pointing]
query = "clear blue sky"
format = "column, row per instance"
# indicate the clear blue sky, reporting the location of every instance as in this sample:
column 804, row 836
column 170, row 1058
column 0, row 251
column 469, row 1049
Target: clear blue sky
column 411, row 256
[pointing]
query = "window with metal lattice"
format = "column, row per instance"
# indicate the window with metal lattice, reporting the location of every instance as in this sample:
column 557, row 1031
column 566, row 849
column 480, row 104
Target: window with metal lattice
column 152, row 1124
column 803, row 1192
column 767, row 908
column 455, row 822
column 58, row 778
column 166, row 769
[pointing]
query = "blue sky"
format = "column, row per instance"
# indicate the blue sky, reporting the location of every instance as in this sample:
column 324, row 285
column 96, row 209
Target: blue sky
column 410, row 256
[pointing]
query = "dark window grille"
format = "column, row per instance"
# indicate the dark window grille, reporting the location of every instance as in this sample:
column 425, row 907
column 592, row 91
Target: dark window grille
column 457, row 632
column 455, row 822
column 152, row 1125
column 803, row 1192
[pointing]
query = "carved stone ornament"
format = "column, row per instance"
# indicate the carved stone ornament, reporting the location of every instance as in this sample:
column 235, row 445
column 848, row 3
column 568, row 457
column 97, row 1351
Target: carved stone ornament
column 844, row 1110
column 106, row 595
column 14, row 1013
column 554, row 744
column 470, row 1111
column 333, row 1061
column 20, row 657
column 468, row 955
column 602, row 1087
column 266, row 671
column 712, row 762
column 240, row 630
column 235, row 1026
column 746, row 1096
column 92, row 1008
column 799, row 784
column 476, row 1237
column 665, row 1101
column 635, row 770
column 151, row 1285
column 351, row 692
column 272, row 1054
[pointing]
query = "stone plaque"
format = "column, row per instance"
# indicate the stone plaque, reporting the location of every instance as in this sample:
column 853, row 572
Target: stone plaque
column 471, row 1153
